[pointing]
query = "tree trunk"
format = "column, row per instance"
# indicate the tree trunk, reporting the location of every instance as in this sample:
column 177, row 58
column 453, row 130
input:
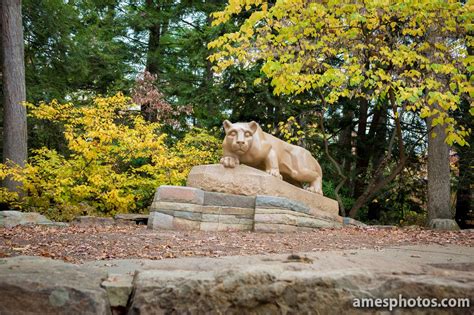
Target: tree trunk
column 438, row 174
column 362, row 157
column 465, row 192
column 345, row 139
column 464, row 195
column 14, row 91
column 152, row 65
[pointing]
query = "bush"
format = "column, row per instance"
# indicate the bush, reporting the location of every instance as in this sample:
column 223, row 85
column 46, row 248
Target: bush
column 329, row 188
column 115, row 162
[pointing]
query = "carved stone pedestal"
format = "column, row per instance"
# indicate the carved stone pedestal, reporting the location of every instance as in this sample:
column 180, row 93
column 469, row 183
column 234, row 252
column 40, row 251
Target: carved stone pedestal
column 240, row 199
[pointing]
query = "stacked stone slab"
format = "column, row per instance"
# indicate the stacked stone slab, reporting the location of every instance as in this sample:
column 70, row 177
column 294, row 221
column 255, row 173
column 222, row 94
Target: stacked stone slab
column 278, row 214
column 188, row 208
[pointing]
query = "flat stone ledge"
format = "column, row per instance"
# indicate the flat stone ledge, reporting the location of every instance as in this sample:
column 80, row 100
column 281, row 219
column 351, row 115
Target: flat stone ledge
column 279, row 202
column 228, row 200
column 180, row 194
column 323, row 282
column 248, row 181
column 36, row 285
column 11, row 218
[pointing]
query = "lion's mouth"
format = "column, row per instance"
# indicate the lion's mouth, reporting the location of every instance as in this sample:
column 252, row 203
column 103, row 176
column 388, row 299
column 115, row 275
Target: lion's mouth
column 239, row 149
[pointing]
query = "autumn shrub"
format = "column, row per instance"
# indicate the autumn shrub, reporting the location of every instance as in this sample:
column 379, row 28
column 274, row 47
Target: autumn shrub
column 414, row 218
column 115, row 161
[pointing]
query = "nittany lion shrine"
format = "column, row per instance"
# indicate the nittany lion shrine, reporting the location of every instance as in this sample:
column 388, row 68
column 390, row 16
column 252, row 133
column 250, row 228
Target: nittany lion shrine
column 261, row 184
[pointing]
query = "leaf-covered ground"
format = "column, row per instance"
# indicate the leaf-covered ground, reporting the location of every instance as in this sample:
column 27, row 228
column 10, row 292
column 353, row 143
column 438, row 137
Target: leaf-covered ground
column 78, row 244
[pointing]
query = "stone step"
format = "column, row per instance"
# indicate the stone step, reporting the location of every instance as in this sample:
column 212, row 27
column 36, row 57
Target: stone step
column 327, row 282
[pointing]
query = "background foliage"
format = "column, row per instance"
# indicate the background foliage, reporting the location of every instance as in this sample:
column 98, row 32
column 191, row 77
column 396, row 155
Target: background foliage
column 342, row 80
column 114, row 163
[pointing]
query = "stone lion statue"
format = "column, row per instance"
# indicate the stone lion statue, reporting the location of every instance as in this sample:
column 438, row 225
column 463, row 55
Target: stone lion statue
column 248, row 144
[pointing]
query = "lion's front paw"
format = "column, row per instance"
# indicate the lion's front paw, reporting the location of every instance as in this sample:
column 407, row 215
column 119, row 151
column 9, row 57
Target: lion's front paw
column 275, row 172
column 229, row 161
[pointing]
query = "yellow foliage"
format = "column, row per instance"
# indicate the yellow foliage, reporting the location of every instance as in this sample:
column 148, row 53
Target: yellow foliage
column 116, row 161
column 289, row 130
column 357, row 49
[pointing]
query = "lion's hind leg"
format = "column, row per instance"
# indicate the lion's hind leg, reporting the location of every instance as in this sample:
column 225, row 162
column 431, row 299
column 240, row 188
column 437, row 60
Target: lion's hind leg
column 316, row 186
column 305, row 169
column 304, row 175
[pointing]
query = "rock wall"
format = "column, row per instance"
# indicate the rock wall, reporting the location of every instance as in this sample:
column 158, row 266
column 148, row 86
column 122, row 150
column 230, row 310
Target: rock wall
column 304, row 283
column 188, row 208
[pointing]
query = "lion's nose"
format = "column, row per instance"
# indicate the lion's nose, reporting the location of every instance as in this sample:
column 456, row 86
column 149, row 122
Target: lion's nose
column 240, row 142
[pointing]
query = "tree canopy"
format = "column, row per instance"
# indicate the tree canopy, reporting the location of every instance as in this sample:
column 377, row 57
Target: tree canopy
column 413, row 53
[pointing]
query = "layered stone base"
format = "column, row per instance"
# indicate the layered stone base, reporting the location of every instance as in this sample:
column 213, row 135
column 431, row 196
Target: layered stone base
column 249, row 181
column 188, row 208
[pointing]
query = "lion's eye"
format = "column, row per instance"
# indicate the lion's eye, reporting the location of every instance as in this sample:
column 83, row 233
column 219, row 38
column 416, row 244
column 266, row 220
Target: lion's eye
column 248, row 134
column 233, row 133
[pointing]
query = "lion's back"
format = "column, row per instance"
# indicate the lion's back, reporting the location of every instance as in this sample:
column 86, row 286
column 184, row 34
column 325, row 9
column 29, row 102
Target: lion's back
column 289, row 153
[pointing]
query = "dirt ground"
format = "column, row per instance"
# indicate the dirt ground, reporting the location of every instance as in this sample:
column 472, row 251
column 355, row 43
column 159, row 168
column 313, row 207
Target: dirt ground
column 78, row 244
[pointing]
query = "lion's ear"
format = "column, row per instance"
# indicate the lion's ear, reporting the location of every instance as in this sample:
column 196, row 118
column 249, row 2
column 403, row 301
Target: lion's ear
column 227, row 125
column 253, row 126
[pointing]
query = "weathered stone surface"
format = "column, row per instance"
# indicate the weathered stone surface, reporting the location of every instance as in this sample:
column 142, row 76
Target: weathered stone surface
column 11, row 218
column 228, row 200
column 327, row 284
column 172, row 206
column 275, row 218
column 209, row 226
column 234, row 219
column 238, row 211
column 274, row 228
column 174, row 220
column 324, row 282
column 244, row 180
column 179, row 194
column 279, row 202
column 279, row 211
column 219, row 222
column 186, row 225
column 91, row 220
column 351, row 221
column 282, row 216
column 444, row 224
column 193, row 216
column 234, row 226
column 157, row 221
column 118, row 287
column 32, row 285
column 210, row 217
column 228, row 210
column 315, row 223
column 276, row 290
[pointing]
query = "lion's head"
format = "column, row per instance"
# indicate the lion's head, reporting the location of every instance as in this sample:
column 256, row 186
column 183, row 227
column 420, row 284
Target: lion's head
column 239, row 135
